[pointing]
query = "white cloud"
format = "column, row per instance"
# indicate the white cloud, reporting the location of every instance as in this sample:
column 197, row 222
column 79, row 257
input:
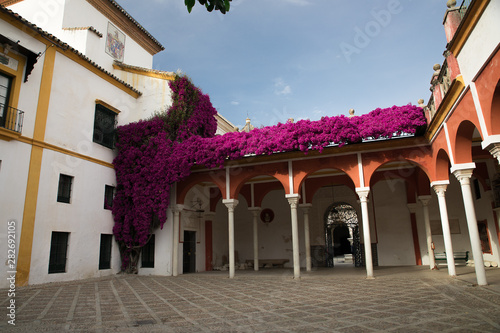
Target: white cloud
column 235, row 103
column 281, row 88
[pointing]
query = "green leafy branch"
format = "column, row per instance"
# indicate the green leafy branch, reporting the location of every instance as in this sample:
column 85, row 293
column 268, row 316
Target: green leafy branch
column 221, row 5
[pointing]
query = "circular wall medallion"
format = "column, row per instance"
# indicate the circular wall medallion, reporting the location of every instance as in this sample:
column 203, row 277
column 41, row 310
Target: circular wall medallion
column 267, row 215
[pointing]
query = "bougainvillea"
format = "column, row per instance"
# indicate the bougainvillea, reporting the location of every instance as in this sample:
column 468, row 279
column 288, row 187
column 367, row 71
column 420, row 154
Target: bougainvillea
column 156, row 153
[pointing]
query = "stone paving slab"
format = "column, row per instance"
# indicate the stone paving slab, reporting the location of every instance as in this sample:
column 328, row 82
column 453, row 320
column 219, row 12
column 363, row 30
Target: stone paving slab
column 409, row 299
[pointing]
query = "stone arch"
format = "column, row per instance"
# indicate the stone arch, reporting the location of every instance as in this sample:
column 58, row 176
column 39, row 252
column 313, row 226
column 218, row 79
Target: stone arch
column 347, row 164
column 495, row 111
column 442, row 165
column 463, row 142
column 312, row 185
column 278, row 171
column 214, row 177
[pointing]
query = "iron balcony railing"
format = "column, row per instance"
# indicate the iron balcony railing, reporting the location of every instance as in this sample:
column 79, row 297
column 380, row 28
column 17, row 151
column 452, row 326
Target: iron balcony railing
column 463, row 7
column 11, row 118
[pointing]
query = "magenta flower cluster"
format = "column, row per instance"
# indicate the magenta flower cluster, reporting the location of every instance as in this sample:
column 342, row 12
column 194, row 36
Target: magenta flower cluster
column 155, row 154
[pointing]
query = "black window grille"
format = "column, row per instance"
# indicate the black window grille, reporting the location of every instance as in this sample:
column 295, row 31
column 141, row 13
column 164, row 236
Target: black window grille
column 58, row 252
column 105, row 251
column 104, row 126
column 148, row 253
column 64, row 191
column 109, row 194
column 5, row 85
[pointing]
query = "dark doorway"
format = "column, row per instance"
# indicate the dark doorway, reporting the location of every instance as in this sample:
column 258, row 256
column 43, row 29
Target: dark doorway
column 341, row 234
column 189, row 252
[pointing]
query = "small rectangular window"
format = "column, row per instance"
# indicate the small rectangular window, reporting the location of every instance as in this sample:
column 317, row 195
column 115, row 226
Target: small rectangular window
column 109, row 194
column 148, row 253
column 64, row 191
column 105, row 251
column 58, row 252
column 104, row 126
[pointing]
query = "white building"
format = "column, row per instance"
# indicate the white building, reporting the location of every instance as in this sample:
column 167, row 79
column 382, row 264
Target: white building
column 70, row 70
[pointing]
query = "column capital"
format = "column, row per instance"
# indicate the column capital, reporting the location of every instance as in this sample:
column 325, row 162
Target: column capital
column 412, row 207
column 440, row 189
column 255, row 211
column 305, row 207
column 293, row 199
column 177, row 208
column 492, row 143
column 463, row 175
column 363, row 193
column 230, row 203
column 424, row 199
column 463, row 167
column 495, row 151
column 209, row 215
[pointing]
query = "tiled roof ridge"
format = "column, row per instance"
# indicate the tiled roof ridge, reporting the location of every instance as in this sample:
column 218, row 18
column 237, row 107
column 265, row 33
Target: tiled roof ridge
column 90, row 28
column 144, row 69
column 65, row 46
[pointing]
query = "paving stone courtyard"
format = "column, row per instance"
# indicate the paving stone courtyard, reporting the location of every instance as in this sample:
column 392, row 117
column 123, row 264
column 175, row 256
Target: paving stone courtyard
column 410, row 299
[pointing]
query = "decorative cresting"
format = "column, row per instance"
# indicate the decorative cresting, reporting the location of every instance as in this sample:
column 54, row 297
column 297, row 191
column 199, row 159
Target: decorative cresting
column 231, row 205
column 440, row 189
column 424, row 200
column 463, row 174
column 293, row 200
column 363, row 198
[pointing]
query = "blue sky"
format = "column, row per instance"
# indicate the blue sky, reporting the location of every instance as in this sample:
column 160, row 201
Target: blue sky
column 280, row 59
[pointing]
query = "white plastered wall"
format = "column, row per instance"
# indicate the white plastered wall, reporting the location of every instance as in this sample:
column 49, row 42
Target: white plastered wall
column 481, row 42
column 84, row 218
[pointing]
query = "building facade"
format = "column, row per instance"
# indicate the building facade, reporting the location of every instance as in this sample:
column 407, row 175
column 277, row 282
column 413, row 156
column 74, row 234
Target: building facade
column 73, row 69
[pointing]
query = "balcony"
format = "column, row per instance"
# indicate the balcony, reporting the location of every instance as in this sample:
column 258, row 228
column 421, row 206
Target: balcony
column 11, row 122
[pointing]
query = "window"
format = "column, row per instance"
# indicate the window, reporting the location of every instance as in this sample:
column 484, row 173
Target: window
column 58, row 251
column 5, row 83
column 109, row 194
column 104, row 126
column 148, row 253
column 105, row 252
column 477, row 189
column 64, row 191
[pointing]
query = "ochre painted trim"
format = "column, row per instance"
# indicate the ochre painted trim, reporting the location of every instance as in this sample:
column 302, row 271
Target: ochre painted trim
column 17, row 76
column 8, row 135
column 146, row 72
column 106, row 105
column 456, row 88
column 467, row 25
column 55, row 148
column 29, row 214
column 71, row 55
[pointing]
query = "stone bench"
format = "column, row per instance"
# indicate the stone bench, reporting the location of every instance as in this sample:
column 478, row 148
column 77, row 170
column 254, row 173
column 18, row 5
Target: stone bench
column 456, row 255
column 268, row 262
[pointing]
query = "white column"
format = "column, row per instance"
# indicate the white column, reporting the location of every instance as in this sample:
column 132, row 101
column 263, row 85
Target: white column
column 440, row 189
column 307, row 238
column 255, row 211
column 463, row 177
column 363, row 198
column 293, row 200
column 424, row 200
column 231, row 205
column 175, row 244
column 495, row 151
